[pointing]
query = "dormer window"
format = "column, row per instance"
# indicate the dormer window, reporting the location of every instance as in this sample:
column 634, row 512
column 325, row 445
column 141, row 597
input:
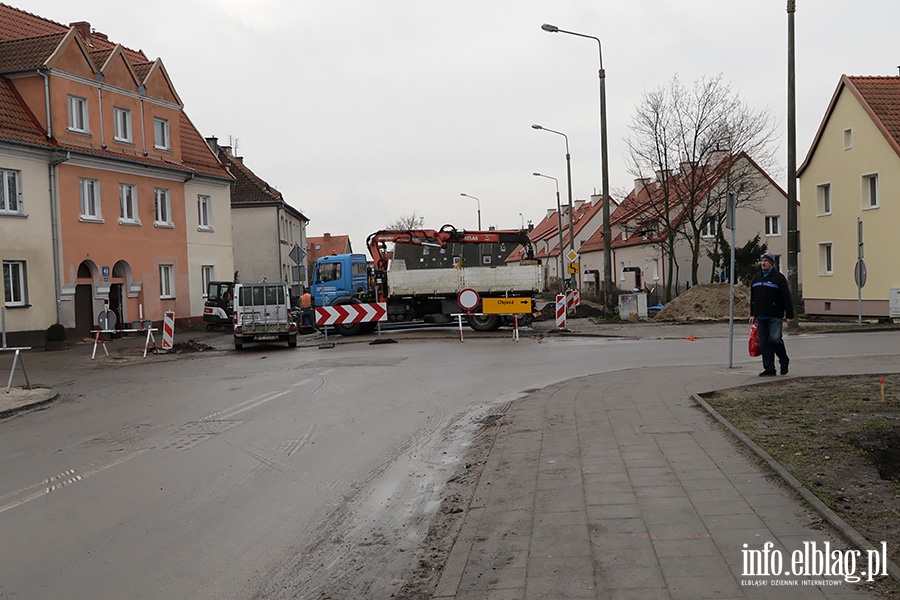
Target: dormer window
column 161, row 134
column 78, row 114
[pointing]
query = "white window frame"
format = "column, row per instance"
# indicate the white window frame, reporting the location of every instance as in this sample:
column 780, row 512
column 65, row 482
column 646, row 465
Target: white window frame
column 871, row 192
column 128, row 204
column 655, row 269
column 621, row 271
column 163, row 201
column 823, row 199
column 848, row 139
column 710, row 227
column 204, row 213
column 123, row 129
column 161, row 134
column 90, row 200
column 10, row 192
column 207, row 274
column 78, row 114
column 166, row 282
column 826, row 259
column 773, row 225
column 15, row 288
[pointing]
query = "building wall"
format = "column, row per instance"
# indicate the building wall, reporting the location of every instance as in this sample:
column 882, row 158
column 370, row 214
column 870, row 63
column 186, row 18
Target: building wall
column 28, row 239
column 138, row 249
column 843, row 169
column 211, row 246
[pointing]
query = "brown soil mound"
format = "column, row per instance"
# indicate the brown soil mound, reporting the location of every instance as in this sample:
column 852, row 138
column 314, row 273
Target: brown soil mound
column 707, row 302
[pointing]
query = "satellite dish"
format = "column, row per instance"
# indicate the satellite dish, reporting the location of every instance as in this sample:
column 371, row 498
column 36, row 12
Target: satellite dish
column 107, row 319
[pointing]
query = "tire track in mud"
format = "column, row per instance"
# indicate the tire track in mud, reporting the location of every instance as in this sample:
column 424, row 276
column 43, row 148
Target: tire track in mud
column 368, row 546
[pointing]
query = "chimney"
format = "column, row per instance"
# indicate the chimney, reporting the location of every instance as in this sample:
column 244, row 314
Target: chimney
column 596, row 199
column 579, row 204
column 716, row 156
column 686, row 167
column 640, row 183
column 83, row 28
column 663, row 174
column 101, row 36
column 550, row 212
column 327, row 236
column 213, row 143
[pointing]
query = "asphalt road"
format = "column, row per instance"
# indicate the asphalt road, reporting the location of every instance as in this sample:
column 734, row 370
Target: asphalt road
column 209, row 475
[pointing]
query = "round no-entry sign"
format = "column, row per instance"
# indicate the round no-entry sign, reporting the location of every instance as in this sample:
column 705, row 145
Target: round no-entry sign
column 468, row 299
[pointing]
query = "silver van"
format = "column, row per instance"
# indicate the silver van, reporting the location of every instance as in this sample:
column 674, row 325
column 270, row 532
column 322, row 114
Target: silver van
column 262, row 313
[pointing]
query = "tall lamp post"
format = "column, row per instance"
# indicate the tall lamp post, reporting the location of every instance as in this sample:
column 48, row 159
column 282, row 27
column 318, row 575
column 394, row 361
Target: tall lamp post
column 607, row 238
column 793, row 241
column 569, row 178
column 558, row 223
column 479, row 208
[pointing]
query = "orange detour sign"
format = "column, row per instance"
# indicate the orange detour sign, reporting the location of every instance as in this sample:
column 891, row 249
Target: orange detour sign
column 505, row 306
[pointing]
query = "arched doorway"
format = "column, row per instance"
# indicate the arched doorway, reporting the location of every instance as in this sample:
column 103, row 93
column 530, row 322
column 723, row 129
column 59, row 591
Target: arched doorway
column 84, row 299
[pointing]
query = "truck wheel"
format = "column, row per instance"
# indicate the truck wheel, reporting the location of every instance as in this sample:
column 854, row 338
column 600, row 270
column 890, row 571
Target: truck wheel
column 351, row 329
column 292, row 341
column 238, row 344
column 484, row 322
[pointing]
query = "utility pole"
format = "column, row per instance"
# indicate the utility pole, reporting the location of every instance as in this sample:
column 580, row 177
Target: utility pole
column 793, row 240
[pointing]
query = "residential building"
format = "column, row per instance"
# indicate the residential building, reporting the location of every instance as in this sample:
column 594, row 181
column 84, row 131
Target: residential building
column 117, row 152
column 851, row 175
column 643, row 254
column 586, row 219
column 266, row 230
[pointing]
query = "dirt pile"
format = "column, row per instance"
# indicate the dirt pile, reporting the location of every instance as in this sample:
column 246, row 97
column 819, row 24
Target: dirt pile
column 707, row 302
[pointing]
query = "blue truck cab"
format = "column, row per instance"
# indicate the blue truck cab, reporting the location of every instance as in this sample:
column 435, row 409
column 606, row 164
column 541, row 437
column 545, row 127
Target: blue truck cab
column 340, row 279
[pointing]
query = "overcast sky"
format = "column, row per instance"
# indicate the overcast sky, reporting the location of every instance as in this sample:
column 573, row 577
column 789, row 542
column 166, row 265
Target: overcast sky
column 363, row 111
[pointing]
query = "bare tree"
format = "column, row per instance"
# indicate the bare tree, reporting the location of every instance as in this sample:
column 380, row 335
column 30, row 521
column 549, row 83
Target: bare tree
column 699, row 144
column 412, row 221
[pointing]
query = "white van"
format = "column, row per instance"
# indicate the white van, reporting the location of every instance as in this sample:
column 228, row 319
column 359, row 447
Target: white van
column 262, row 313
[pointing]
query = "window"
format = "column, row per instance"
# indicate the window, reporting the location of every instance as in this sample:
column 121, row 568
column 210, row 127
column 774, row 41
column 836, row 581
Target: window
column 848, row 139
column 622, row 271
column 710, row 227
column 207, row 274
column 773, row 225
column 823, row 199
column 870, row 191
column 78, row 114
column 166, row 281
column 10, row 195
column 163, row 207
column 204, row 212
column 655, row 269
column 128, row 204
column 160, row 134
column 14, row 292
column 825, row 265
column 123, row 124
column 90, row 200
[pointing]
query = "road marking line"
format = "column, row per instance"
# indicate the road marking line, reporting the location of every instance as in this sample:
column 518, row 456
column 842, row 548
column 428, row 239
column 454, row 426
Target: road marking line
column 59, row 481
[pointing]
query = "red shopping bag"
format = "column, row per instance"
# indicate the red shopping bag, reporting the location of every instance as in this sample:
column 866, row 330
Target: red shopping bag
column 755, row 350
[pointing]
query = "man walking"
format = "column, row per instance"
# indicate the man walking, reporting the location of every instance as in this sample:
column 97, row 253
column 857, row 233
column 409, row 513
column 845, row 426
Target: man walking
column 770, row 302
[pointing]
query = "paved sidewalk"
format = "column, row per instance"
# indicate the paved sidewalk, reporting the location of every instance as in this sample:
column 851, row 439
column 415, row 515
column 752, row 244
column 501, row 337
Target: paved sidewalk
column 619, row 486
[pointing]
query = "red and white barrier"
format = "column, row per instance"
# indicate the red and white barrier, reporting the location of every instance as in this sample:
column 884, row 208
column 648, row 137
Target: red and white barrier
column 351, row 313
column 168, row 330
column 560, row 311
column 573, row 299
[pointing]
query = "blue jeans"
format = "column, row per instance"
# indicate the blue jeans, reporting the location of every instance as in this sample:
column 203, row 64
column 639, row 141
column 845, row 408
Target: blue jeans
column 771, row 342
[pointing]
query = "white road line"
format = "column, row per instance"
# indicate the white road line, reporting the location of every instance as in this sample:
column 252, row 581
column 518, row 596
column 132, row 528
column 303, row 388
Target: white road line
column 59, row 481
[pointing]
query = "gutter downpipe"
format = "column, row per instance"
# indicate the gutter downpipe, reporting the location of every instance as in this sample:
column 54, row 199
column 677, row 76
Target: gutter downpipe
column 278, row 210
column 54, row 226
column 47, row 100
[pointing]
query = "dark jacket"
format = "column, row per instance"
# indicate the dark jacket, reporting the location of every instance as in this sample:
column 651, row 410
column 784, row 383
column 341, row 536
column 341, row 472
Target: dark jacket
column 770, row 296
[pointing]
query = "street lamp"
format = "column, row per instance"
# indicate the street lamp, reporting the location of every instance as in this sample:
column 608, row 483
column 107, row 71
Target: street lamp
column 522, row 218
column 479, row 208
column 569, row 177
column 607, row 238
column 558, row 223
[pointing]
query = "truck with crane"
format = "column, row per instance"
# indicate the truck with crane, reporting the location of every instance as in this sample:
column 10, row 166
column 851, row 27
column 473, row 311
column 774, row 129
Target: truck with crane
column 429, row 295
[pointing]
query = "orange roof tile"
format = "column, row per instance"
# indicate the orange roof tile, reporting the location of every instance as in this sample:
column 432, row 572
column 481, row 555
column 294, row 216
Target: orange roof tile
column 28, row 53
column 17, row 124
